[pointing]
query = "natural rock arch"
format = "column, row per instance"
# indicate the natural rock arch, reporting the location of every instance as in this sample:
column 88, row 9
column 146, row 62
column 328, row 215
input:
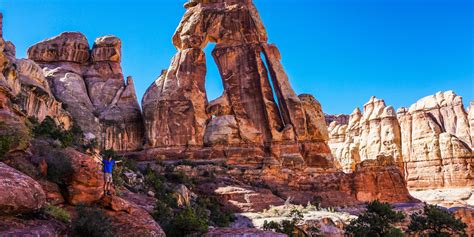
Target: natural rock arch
column 175, row 107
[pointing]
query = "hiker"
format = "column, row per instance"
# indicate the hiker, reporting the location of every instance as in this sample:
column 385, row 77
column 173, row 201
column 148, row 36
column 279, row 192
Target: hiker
column 108, row 163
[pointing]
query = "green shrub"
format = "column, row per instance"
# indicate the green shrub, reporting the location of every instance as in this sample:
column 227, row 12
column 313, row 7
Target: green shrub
column 435, row 221
column 91, row 222
column 187, row 222
column 219, row 216
column 59, row 168
column 5, row 145
column 130, row 164
column 377, row 220
column 162, row 213
column 179, row 177
column 288, row 227
column 57, row 213
column 49, row 128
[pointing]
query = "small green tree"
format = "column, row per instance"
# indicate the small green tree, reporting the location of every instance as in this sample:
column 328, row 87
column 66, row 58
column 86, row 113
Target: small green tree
column 377, row 220
column 5, row 144
column 91, row 222
column 49, row 128
column 288, row 227
column 188, row 222
column 57, row 213
column 434, row 221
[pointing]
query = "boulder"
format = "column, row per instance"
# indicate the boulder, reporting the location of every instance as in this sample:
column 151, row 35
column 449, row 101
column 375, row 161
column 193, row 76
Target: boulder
column 247, row 199
column 18, row 192
column 66, row 47
column 52, row 191
column 136, row 223
column 12, row 226
column 86, row 183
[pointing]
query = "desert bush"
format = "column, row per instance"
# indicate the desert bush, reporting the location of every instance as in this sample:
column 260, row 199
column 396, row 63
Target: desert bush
column 179, row 177
column 49, row 128
column 434, row 221
column 377, row 220
column 13, row 137
column 162, row 213
column 5, row 145
column 57, row 213
column 188, row 222
column 59, row 168
column 219, row 216
column 91, row 222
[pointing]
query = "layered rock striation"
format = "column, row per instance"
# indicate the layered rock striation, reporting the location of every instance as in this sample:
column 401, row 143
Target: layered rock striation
column 91, row 86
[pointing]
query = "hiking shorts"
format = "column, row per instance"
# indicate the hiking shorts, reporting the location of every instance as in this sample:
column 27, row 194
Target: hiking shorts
column 108, row 177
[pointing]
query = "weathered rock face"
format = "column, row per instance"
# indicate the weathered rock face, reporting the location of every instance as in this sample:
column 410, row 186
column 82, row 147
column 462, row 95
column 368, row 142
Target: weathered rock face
column 24, row 93
column 432, row 140
column 18, row 192
column 90, row 83
column 86, row 183
column 368, row 135
column 380, row 179
column 436, row 143
column 176, row 110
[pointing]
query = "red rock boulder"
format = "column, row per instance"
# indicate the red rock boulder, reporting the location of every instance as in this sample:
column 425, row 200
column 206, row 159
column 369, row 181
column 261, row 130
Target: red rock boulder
column 18, row 192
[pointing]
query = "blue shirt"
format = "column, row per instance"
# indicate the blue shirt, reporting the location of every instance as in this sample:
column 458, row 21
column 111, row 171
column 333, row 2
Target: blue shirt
column 108, row 165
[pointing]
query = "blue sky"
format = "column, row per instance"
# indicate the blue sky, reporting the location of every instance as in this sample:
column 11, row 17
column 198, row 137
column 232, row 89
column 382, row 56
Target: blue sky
column 341, row 51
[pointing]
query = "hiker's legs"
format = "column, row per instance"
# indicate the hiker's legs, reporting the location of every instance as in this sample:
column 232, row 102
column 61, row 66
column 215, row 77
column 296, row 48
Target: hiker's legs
column 107, row 182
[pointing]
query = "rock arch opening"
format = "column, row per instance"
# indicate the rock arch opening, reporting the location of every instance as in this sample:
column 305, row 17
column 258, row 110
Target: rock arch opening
column 213, row 84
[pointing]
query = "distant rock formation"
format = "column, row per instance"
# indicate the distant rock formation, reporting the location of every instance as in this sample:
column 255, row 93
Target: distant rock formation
column 90, row 84
column 436, row 143
column 370, row 134
column 431, row 142
column 339, row 118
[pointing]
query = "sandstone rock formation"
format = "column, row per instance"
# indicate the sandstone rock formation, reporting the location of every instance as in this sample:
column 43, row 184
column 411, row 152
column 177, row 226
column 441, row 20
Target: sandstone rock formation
column 370, row 134
column 86, row 183
column 432, row 141
column 23, row 82
column 258, row 123
column 18, row 192
column 90, row 83
column 247, row 115
column 379, row 179
column 436, row 143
